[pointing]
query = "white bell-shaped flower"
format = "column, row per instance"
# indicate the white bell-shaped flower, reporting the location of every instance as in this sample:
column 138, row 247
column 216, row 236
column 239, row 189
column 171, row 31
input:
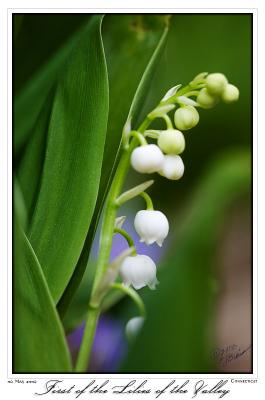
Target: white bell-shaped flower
column 173, row 167
column 133, row 327
column 152, row 226
column 147, row 159
column 138, row 271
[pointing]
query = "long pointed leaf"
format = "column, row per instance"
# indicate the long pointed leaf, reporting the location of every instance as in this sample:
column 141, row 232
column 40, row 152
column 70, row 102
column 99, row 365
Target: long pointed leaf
column 73, row 160
column 39, row 342
column 31, row 164
column 31, row 98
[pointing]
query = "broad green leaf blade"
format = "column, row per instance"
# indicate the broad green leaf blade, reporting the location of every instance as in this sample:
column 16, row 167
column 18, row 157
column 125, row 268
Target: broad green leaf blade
column 40, row 38
column 175, row 337
column 30, row 168
column 77, row 311
column 73, row 160
column 131, row 65
column 20, row 208
column 30, row 100
column 39, row 341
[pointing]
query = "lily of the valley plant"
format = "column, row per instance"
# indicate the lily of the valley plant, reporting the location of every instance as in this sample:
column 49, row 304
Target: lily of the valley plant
column 145, row 156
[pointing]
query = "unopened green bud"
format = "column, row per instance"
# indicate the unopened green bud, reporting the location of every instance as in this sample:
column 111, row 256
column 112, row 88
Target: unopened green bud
column 230, row 94
column 206, row 100
column 200, row 78
column 171, row 141
column 216, row 83
column 186, row 118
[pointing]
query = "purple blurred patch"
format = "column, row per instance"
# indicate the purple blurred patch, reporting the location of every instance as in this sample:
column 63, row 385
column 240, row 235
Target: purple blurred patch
column 109, row 347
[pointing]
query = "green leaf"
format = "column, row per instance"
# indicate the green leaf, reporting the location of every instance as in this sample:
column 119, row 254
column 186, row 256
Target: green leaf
column 39, row 341
column 77, row 311
column 73, row 160
column 30, row 168
column 52, row 31
column 131, row 65
column 175, row 337
column 31, row 98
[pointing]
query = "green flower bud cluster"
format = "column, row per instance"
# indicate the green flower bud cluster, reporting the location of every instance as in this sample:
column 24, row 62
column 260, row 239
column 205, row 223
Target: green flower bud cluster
column 164, row 157
column 217, row 87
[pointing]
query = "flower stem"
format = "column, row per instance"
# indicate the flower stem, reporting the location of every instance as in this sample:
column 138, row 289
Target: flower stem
column 148, row 200
column 125, row 235
column 107, row 231
column 186, row 90
column 133, row 295
column 87, row 340
column 139, row 136
column 168, row 121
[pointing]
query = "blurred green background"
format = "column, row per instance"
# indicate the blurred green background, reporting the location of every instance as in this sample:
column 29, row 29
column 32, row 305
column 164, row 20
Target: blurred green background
column 200, row 303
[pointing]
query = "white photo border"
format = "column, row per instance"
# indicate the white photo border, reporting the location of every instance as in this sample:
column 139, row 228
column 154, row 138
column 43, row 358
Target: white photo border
column 149, row 376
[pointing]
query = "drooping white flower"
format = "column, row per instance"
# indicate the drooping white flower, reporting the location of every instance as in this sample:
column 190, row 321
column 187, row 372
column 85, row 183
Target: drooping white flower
column 171, row 141
column 133, row 327
column 173, row 167
column 138, row 271
column 147, row 159
column 152, row 226
column 230, row 94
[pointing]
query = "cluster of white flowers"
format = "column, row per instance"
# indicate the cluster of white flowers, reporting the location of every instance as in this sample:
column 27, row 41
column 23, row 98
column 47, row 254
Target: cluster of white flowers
column 164, row 158
column 140, row 270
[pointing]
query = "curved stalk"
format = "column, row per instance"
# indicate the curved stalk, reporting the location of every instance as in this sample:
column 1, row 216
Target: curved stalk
column 148, row 200
column 168, row 121
column 140, row 137
column 133, row 295
column 125, row 235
